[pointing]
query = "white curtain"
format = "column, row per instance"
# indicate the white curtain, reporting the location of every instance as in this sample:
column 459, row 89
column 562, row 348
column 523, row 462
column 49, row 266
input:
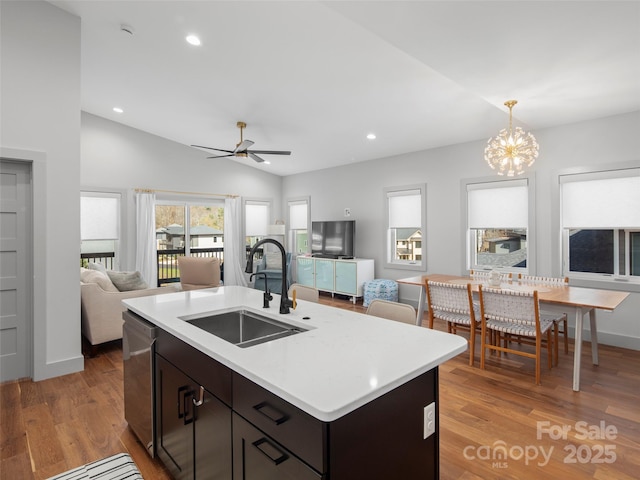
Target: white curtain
column 146, row 262
column 234, row 256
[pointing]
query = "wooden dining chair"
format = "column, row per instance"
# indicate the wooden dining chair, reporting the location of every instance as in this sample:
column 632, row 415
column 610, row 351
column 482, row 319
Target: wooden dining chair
column 453, row 303
column 304, row 292
column 400, row 312
column 483, row 275
column 552, row 282
column 513, row 313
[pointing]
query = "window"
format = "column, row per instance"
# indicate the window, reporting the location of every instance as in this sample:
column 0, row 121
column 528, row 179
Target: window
column 600, row 222
column 100, row 228
column 299, row 225
column 256, row 220
column 203, row 238
column 498, row 224
column 406, row 225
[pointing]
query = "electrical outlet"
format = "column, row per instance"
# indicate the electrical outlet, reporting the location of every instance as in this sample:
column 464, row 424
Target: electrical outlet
column 347, row 212
column 429, row 427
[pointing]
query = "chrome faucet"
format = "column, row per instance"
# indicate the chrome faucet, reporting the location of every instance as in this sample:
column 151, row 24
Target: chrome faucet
column 285, row 302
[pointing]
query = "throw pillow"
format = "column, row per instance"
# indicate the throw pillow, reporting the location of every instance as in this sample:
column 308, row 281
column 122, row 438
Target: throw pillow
column 127, row 281
column 273, row 261
column 94, row 276
column 97, row 266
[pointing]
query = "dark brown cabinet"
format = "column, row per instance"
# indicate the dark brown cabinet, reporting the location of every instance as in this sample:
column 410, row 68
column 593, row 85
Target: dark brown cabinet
column 193, row 427
column 382, row 439
column 256, row 456
column 193, row 412
column 214, row 424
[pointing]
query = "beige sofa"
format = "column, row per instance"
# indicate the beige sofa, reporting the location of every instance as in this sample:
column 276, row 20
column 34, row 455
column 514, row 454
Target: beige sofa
column 101, row 310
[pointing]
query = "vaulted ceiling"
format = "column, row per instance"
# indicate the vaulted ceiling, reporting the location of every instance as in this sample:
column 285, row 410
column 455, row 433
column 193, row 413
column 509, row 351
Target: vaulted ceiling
column 317, row 77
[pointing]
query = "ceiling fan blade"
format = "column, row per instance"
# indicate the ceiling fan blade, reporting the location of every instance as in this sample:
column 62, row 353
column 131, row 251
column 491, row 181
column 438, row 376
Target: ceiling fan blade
column 211, row 148
column 255, row 157
column 243, row 146
column 271, row 152
column 222, row 156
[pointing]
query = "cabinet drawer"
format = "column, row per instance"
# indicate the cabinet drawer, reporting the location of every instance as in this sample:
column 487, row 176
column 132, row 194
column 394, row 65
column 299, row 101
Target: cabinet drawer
column 257, row 456
column 206, row 371
column 298, row 431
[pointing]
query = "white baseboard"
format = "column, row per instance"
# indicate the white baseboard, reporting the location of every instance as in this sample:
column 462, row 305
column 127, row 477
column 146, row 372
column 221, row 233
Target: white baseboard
column 56, row 369
column 612, row 339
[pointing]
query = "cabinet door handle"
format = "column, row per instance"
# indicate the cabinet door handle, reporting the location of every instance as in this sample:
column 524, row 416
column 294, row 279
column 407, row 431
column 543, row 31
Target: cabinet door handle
column 270, row 451
column 200, row 400
column 185, row 399
column 273, row 414
column 182, row 392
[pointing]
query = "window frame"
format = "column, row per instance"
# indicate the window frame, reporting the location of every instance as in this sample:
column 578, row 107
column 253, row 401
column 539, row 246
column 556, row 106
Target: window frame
column 266, row 202
column 469, row 247
column 393, row 263
column 624, row 282
column 120, row 253
column 292, row 232
column 186, row 203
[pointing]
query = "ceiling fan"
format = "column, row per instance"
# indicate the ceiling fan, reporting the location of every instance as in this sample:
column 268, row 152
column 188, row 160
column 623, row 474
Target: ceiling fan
column 241, row 149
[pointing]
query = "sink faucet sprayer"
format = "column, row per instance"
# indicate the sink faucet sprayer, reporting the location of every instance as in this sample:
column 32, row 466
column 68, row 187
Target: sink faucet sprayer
column 285, row 302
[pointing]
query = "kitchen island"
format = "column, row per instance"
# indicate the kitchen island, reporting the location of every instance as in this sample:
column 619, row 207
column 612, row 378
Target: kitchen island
column 350, row 396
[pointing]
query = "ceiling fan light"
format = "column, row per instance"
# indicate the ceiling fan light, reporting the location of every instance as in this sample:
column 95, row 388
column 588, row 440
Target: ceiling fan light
column 193, row 40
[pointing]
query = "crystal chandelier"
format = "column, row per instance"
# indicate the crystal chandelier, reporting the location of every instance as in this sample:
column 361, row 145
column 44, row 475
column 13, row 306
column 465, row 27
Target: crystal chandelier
column 511, row 151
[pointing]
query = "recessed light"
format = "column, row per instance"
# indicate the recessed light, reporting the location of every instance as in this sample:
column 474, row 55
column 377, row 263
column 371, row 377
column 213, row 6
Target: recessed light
column 267, row 162
column 118, row 110
column 193, row 40
column 371, row 136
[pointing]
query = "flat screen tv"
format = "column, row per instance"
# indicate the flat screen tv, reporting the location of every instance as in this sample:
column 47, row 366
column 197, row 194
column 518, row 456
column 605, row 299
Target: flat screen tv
column 333, row 239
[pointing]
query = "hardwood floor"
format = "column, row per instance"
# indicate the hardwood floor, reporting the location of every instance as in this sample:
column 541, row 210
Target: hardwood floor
column 50, row 426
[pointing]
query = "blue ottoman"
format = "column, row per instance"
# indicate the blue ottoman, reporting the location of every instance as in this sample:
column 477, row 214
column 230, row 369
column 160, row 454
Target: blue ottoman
column 380, row 288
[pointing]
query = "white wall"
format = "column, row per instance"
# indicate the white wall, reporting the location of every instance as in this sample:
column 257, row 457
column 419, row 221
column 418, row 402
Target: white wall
column 599, row 142
column 118, row 157
column 40, row 112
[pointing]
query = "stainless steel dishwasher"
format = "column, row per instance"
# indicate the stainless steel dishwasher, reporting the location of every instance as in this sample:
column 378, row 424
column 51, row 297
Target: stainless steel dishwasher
column 138, row 338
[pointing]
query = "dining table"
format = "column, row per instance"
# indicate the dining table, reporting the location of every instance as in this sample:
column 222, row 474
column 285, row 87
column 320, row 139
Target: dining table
column 571, row 300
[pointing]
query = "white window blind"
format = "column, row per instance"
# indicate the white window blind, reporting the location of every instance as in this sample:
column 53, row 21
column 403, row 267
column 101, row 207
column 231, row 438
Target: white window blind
column 99, row 218
column 298, row 216
column 405, row 209
column 501, row 204
column 256, row 219
column 601, row 200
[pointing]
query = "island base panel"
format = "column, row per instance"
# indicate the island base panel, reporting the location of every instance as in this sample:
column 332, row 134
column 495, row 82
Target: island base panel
column 384, row 439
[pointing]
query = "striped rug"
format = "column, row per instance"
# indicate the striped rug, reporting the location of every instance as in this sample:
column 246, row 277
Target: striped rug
column 116, row 467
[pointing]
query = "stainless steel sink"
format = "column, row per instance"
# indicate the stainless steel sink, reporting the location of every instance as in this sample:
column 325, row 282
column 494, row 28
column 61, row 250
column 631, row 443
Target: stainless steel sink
column 243, row 328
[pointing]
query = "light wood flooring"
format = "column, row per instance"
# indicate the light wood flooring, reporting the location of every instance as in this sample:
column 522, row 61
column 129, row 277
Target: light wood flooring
column 53, row 425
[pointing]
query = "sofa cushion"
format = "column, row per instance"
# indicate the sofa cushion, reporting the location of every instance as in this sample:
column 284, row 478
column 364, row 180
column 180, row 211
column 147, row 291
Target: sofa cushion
column 94, row 276
column 127, row 281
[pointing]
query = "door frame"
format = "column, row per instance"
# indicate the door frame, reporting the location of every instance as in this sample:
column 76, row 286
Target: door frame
column 36, row 283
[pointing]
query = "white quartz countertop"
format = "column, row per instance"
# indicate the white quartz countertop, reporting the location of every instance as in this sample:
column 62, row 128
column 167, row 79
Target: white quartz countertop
column 345, row 359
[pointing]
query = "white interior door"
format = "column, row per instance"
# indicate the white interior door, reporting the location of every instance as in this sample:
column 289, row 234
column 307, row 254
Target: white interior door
column 15, row 270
